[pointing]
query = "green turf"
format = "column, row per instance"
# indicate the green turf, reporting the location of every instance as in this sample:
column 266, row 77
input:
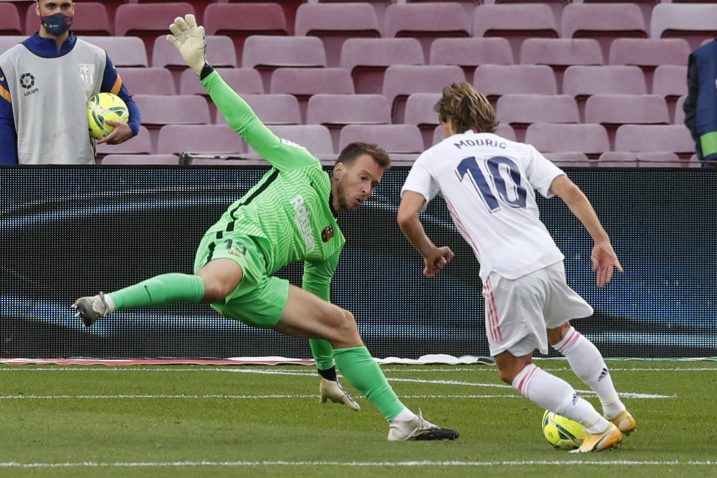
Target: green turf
column 188, row 421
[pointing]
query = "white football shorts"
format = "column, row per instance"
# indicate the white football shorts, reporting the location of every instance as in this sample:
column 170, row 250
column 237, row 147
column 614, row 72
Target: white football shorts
column 518, row 312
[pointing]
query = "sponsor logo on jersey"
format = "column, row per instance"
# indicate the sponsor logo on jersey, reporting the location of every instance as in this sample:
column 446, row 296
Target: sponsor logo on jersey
column 327, row 234
column 303, row 221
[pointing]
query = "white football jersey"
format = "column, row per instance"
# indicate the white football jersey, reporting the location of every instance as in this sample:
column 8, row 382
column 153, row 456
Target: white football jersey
column 489, row 184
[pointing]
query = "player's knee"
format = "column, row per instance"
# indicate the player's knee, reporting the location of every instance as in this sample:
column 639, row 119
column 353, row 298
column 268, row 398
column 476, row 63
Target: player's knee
column 346, row 324
column 215, row 290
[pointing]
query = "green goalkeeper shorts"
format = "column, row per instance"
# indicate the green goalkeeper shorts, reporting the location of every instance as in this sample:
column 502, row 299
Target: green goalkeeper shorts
column 259, row 299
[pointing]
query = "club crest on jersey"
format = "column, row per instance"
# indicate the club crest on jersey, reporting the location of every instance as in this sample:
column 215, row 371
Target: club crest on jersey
column 87, row 74
column 327, row 234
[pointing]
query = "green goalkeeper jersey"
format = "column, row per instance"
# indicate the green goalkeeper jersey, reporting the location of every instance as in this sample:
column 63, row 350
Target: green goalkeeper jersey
column 289, row 210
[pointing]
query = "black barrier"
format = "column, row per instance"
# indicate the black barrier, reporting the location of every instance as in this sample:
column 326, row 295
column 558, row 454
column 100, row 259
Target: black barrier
column 67, row 232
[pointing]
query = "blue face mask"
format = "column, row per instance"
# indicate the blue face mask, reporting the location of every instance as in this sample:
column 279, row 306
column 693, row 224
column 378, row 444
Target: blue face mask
column 56, row 24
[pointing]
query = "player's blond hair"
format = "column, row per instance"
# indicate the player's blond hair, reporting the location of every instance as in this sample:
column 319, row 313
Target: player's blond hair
column 466, row 108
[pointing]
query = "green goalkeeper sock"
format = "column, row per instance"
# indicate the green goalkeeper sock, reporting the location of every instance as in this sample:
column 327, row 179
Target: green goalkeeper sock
column 363, row 373
column 323, row 353
column 159, row 290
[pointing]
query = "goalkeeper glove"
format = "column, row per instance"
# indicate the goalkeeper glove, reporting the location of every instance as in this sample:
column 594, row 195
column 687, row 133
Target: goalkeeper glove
column 188, row 39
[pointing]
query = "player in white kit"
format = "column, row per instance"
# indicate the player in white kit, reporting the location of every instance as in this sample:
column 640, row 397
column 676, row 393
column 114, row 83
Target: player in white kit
column 489, row 185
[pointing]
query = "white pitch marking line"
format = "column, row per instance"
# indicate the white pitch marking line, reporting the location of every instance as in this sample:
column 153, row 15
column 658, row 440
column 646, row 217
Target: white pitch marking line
column 407, row 464
column 438, row 382
column 193, row 368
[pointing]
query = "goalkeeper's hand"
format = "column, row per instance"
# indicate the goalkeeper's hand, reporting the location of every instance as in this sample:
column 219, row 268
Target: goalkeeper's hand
column 188, row 39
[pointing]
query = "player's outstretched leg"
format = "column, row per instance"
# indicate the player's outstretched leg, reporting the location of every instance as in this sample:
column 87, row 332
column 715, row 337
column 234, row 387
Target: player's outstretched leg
column 553, row 393
column 588, row 364
column 364, row 374
column 158, row 290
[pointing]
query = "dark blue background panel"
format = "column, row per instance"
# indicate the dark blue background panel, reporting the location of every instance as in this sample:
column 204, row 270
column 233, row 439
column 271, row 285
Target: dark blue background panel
column 67, row 232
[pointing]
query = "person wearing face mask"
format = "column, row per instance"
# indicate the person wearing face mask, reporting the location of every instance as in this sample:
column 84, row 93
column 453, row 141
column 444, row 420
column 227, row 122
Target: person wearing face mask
column 45, row 83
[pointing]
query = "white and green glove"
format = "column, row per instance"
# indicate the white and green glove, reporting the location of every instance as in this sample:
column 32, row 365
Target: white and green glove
column 188, row 39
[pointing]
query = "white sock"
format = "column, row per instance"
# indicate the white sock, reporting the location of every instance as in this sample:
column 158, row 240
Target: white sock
column 405, row 415
column 587, row 363
column 110, row 303
column 555, row 394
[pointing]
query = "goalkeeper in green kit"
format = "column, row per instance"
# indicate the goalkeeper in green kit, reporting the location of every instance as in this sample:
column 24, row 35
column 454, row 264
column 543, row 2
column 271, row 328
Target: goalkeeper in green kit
column 288, row 216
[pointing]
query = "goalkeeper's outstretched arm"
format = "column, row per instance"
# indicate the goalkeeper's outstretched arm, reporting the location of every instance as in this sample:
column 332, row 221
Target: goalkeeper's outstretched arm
column 188, row 38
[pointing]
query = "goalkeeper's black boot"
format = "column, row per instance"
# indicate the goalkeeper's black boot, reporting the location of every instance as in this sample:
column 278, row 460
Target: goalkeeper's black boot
column 419, row 429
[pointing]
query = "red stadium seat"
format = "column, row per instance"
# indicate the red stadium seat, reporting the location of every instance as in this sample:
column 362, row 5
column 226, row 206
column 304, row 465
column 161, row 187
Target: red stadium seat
column 516, row 22
column 655, row 138
column 496, row 80
column 334, row 23
column 419, row 111
column 396, row 139
column 670, row 81
column 10, row 20
column 267, row 53
column 469, row 53
column 239, row 21
column 305, row 82
column 583, row 81
column 695, row 23
column 160, row 110
column 603, row 21
column 612, row 111
column 402, row 80
column 649, row 53
column 337, row 111
column 208, row 139
column 590, row 139
column 148, row 81
column 366, row 59
column 149, row 20
column 569, row 158
column 426, row 22
column 140, row 159
column 560, row 53
column 643, row 159
column 123, row 51
column 615, row 110
column 91, row 18
column 519, row 111
column 271, row 109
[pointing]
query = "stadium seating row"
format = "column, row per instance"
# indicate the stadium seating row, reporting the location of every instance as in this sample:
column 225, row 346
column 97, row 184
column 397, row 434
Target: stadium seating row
column 335, row 22
column 399, row 81
column 516, row 110
column 583, row 140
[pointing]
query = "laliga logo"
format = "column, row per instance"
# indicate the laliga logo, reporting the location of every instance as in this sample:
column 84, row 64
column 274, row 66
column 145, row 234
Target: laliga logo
column 27, row 81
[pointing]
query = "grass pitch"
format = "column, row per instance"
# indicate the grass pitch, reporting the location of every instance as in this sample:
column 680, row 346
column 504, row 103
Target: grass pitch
column 189, row 421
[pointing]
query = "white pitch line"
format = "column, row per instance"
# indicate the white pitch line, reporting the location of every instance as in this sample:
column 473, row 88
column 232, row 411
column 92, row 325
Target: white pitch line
column 397, row 464
column 192, row 368
column 438, row 382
